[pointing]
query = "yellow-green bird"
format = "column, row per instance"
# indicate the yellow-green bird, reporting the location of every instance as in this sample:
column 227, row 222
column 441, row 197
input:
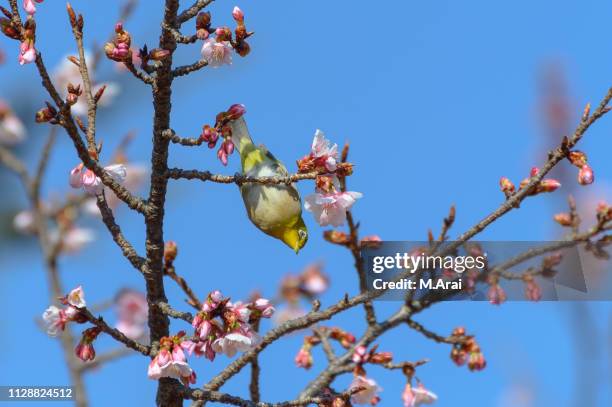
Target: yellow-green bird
column 275, row 209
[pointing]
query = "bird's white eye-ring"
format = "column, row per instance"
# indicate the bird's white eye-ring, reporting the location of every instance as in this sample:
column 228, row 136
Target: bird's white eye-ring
column 302, row 234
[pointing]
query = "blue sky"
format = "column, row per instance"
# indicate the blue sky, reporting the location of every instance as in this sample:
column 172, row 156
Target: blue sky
column 438, row 100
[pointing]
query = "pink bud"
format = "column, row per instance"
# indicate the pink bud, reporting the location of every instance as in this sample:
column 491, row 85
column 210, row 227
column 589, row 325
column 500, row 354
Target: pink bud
column 222, row 155
column 549, row 185
column 216, row 296
column 585, row 175
column 29, row 7
column 85, row 351
column 534, row 171
column 75, row 178
column 237, row 110
column 237, row 14
column 228, row 146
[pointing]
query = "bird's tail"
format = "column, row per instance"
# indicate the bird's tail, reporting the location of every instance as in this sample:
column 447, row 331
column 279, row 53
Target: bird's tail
column 240, row 134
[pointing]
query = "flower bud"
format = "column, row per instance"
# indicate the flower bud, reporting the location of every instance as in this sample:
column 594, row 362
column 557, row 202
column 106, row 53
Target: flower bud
column 242, row 48
column 563, row 219
column 203, row 21
column 170, row 252
column 534, row 171
column 9, row 29
column 381, row 358
column 506, row 186
column 336, row 237
column 158, row 54
column 577, row 158
column 548, row 185
column 45, row 114
column 236, row 111
column 585, row 175
column 238, row 14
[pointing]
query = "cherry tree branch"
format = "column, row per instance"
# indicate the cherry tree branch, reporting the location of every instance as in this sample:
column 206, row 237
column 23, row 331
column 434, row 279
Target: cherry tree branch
column 239, row 179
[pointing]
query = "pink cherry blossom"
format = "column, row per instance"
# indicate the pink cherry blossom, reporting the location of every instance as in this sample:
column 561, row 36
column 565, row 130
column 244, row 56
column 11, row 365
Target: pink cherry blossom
column 55, row 320
column 76, row 297
column 85, row 351
column 303, row 358
column 313, row 280
column 238, row 14
column 324, row 151
column 414, row 397
column 29, row 7
column 232, row 343
column 12, row 130
column 217, row 53
column 496, row 294
column 81, row 177
column 532, row 290
column 241, row 311
column 585, row 175
column 27, row 52
column 369, row 394
column 132, row 313
column 360, row 355
column 171, row 362
column 74, row 239
column 24, row 223
column 331, row 208
column 264, row 306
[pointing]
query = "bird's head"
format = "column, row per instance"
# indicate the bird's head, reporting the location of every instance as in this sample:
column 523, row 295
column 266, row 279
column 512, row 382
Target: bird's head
column 296, row 236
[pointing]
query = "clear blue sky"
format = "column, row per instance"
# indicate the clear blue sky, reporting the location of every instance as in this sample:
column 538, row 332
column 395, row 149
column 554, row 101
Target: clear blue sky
column 438, row 99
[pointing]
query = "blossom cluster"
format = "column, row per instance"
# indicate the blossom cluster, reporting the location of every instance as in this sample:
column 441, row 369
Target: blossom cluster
column 294, row 288
column 217, row 51
column 56, row 318
column 546, row 185
column 222, row 326
column 222, row 130
column 466, row 350
column 330, row 202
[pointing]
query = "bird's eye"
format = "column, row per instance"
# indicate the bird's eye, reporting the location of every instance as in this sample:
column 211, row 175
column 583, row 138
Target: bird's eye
column 302, row 234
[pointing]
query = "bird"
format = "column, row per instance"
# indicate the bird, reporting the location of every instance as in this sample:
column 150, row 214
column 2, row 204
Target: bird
column 275, row 209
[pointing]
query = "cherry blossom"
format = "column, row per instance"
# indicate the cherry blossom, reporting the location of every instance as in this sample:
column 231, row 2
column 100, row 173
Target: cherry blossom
column 12, row 130
column 324, row 151
column 74, row 239
column 331, row 208
column 76, row 297
column 30, row 7
column 81, row 177
column 24, row 222
column 27, row 52
column 132, row 313
column 303, row 358
column 171, row 361
column 55, row 320
column 369, row 394
column 217, row 53
column 414, row 397
column 235, row 342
